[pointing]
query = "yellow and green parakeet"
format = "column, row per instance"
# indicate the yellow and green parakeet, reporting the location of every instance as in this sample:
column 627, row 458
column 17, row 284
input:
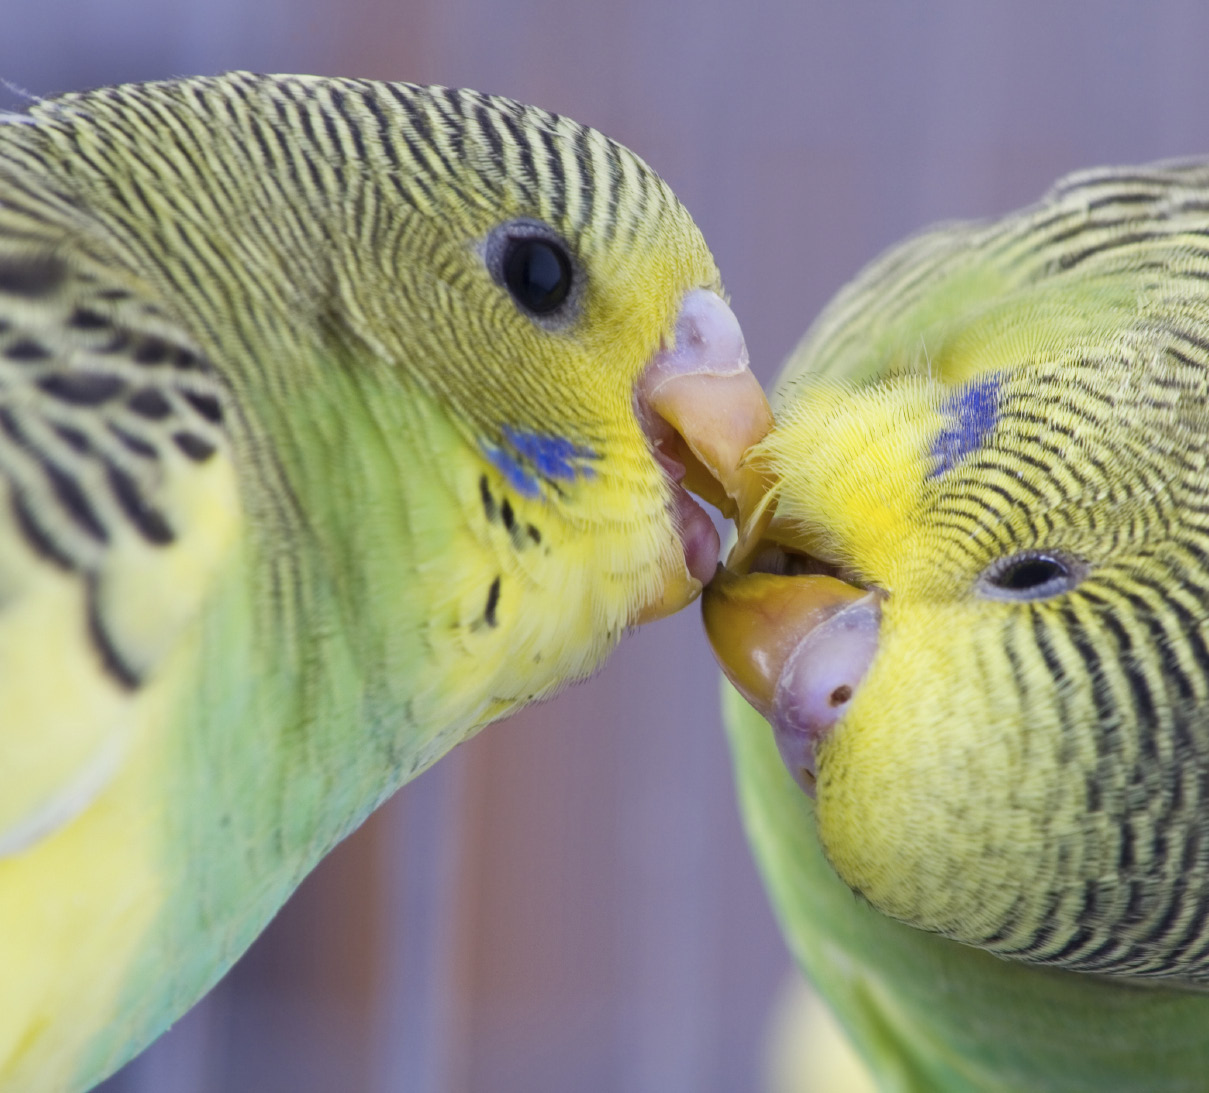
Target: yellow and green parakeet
column 337, row 419
column 978, row 624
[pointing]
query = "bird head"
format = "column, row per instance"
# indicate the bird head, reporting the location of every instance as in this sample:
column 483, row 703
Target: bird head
column 597, row 365
column 976, row 624
column 382, row 245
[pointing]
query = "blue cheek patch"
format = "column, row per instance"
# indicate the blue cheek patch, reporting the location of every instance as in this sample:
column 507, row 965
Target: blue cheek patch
column 534, row 456
column 517, row 476
column 974, row 409
column 552, row 456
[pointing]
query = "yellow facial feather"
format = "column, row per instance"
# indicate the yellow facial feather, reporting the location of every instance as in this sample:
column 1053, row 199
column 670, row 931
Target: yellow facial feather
column 849, row 468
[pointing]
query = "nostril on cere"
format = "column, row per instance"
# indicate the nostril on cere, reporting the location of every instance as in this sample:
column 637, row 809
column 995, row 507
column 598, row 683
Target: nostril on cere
column 796, row 645
column 841, row 695
column 808, row 701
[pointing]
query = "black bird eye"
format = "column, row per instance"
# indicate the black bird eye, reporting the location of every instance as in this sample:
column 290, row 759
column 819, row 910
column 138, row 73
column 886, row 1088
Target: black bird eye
column 1031, row 575
column 532, row 261
column 538, row 274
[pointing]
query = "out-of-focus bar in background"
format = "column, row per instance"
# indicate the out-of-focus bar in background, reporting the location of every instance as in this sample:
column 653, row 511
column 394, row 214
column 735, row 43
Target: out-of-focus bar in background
column 566, row 903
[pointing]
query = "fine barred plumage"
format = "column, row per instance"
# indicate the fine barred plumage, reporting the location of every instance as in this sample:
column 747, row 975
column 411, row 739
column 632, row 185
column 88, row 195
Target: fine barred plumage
column 980, row 628
column 337, row 419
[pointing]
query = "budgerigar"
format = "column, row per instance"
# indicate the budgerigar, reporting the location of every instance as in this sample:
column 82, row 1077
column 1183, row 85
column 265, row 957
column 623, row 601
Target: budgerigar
column 979, row 626
column 337, row 419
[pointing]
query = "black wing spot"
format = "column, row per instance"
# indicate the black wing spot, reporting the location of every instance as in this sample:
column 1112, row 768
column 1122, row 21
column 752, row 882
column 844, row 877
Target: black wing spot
column 195, row 447
column 119, row 343
column 37, row 536
column 74, row 439
column 11, row 429
column 84, row 318
column 493, row 602
column 111, row 659
column 75, row 501
column 534, row 534
column 149, row 403
column 33, row 276
column 149, row 521
column 133, row 443
column 206, row 405
column 509, row 517
column 81, row 388
column 151, row 351
column 27, row 350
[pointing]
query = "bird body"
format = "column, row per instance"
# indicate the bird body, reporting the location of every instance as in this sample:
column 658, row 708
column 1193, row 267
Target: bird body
column 326, row 439
column 980, row 610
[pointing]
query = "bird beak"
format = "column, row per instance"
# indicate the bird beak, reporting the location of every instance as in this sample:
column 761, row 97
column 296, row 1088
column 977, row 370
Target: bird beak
column 702, row 409
column 796, row 647
column 718, row 418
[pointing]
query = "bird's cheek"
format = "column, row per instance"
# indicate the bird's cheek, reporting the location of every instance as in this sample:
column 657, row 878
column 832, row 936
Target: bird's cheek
column 797, row 648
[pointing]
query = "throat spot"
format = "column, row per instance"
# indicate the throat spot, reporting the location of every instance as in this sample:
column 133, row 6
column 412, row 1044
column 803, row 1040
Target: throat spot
column 498, row 509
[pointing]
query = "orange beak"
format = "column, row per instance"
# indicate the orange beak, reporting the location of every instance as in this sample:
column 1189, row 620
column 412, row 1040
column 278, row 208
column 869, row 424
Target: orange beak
column 703, row 409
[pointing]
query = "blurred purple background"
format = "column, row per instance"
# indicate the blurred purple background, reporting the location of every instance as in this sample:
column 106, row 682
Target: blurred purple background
column 566, row 903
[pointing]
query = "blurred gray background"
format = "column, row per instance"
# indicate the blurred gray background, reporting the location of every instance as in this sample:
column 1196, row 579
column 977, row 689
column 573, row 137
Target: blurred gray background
column 566, row 903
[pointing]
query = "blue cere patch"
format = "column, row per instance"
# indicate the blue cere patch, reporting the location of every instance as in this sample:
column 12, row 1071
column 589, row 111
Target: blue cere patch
column 533, row 456
column 974, row 409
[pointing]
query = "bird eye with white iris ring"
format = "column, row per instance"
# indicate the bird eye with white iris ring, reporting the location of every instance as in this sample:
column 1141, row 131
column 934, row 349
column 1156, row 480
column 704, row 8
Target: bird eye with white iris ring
column 533, row 262
column 1031, row 575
